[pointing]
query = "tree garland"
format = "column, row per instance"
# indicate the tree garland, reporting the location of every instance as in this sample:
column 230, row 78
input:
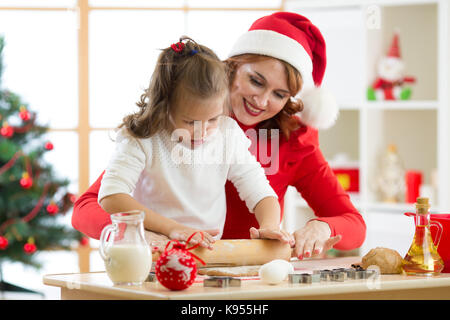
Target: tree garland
column 31, row 214
column 11, row 162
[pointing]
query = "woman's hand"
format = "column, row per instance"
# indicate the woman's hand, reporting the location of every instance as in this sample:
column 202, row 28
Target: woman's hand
column 182, row 234
column 313, row 239
column 270, row 233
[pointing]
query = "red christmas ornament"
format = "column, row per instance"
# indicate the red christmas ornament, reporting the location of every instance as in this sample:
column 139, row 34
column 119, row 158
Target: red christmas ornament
column 176, row 268
column 84, row 241
column 3, row 243
column 26, row 182
column 7, row 131
column 48, row 146
column 29, row 247
column 52, row 209
column 24, row 115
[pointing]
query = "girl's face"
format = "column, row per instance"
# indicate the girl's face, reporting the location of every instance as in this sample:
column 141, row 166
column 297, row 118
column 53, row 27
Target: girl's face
column 259, row 91
column 195, row 119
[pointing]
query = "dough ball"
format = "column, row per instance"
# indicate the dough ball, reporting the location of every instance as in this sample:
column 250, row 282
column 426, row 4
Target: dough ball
column 275, row 271
column 389, row 261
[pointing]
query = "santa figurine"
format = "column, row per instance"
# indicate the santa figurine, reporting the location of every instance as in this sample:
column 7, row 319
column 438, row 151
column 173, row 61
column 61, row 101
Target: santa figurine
column 390, row 83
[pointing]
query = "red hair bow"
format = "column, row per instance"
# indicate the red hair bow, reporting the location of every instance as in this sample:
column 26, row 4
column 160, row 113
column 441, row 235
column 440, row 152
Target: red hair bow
column 177, row 47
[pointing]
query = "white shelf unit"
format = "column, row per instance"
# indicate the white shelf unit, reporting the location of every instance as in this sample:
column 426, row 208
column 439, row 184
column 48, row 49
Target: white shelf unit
column 358, row 34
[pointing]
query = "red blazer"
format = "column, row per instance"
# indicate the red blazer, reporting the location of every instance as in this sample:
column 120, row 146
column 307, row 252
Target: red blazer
column 301, row 165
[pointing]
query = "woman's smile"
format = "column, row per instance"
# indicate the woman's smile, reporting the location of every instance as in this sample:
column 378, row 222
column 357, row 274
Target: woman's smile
column 251, row 109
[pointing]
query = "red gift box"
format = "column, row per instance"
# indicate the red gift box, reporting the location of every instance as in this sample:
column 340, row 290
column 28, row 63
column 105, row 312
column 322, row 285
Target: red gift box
column 348, row 178
column 444, row 244
column 346, row 172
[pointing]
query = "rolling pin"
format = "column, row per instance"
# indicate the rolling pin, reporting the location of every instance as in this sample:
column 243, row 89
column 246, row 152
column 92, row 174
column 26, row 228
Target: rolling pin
column 241, row 252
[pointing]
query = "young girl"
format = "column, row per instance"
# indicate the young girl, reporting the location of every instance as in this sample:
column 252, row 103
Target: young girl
column 164, row 150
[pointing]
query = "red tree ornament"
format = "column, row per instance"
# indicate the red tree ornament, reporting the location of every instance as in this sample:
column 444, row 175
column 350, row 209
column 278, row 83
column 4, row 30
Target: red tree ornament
column 52, row 209
column 48, row 146
column 24, row 114
column 3, row 243
column 30, row 247
column 176, row 268
column 84, row 241
column 26, row 182
column 6, row 131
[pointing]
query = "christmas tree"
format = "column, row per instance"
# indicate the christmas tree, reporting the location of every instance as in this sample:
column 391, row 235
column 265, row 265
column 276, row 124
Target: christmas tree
column 31, row 194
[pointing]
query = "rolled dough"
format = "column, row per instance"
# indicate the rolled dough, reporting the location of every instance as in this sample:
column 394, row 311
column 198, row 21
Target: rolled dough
column 241, row 271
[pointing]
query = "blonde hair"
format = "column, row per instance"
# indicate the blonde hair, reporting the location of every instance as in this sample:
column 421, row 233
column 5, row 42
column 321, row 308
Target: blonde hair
column 284, row 120
column 195, row 70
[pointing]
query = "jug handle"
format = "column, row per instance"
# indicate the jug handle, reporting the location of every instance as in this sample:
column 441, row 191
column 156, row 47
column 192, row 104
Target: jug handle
column 104, row 236
column 439, row 233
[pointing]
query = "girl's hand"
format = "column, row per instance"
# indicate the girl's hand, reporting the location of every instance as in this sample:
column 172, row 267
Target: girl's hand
column 183, row 234
column 157, row 241
column 313, row 239
column 268, row 233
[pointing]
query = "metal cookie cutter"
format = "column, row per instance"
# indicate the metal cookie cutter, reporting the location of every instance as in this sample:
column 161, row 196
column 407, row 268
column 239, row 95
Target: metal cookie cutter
column 303, row 278
column 299, row 278
column 361, row 274
column 221, row 282
column 338, row 275
column 325, row 275
column 351, row 273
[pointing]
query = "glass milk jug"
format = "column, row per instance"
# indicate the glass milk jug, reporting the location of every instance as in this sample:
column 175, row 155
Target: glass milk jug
column 422, row 257
column 126, row 254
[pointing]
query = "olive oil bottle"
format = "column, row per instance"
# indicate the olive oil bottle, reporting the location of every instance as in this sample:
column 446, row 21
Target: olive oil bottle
column 422, row 257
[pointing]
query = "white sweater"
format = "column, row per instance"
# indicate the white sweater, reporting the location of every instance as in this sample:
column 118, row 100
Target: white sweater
column 187, row 185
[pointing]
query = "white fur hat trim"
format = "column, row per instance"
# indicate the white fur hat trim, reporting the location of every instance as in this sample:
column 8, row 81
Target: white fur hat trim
column 320, row 108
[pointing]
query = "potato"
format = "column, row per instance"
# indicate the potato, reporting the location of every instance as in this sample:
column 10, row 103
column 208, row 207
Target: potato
column 389, row 261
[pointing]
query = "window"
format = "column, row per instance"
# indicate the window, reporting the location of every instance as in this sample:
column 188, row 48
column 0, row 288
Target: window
column 82, row 65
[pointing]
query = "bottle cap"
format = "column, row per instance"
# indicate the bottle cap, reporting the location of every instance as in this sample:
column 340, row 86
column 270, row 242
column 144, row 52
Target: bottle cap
column 422, row 201
column 422, row 205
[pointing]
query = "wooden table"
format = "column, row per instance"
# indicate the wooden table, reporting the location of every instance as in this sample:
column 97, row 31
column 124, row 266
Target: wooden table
column 97, row 285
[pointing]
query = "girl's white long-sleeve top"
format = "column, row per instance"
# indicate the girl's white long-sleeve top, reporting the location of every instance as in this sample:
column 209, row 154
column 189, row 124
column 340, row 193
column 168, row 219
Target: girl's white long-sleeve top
column 184, row 184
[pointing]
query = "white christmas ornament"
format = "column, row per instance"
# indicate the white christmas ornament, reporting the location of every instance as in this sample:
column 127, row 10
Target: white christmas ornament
column 275, row 271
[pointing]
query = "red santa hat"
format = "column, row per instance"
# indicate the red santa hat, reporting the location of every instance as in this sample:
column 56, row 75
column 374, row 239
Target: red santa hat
column 293, row 38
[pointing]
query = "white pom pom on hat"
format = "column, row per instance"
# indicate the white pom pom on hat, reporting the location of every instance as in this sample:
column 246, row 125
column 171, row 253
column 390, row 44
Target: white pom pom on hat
column 320, row 108
column 293, row 38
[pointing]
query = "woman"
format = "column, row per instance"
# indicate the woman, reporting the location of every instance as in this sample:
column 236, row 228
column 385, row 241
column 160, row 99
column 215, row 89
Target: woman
column 280, row 57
